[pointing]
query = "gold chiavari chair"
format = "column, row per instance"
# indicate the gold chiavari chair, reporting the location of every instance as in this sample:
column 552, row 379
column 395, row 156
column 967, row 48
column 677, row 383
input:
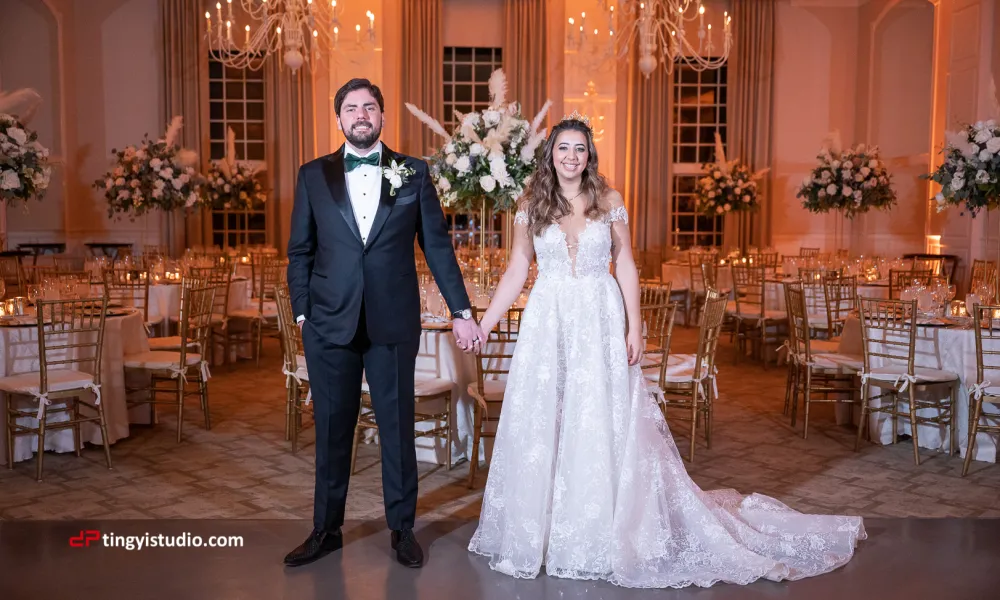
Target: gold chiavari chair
column 984, row 272
column 841, row 298
column 266, row 276
column 984, row 391
column 12, row 275
column 754, row 322
column 126, row 287
column 899, row 280
column 492, row 367
column 657, row 331
column 811, row 373
column 688, row 381
column 70, row 351
column 171, row 371
column 809, row 251
column 699, row 282
column 654, row 292
column 889, row 335
column 298, row 398
column 219, row 277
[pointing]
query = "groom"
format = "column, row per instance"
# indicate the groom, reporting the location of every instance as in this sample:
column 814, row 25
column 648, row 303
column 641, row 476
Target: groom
column 353, row 281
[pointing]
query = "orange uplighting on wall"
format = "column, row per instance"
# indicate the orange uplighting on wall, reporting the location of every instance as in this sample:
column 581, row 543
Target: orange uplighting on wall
column 933, row 245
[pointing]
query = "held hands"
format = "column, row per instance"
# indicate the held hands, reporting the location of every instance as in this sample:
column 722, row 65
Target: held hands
column 468, row 335
column 633, row 341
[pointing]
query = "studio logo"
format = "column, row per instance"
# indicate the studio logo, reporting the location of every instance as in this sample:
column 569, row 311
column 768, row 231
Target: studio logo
column 83, row 540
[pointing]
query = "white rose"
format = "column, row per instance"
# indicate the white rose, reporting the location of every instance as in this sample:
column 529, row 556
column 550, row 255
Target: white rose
column 957, row 183
column 119, row 172
column 450, row 148
column 986, row 155
column 873, row 164
column 865, row 171
column 134, row 183
column 396, row 181
column 716, row 174
column 847, row 191
column 857, row 194
column 476, row 149
column 167, row 173
column 487, row 183
column 177, row 183
column 450, row 159
column 443, row 184
column 227, row 188
column 831, row 189
column 718, row 210
column 491, row 117
column 746, row 199
column 983, row 135
column 711, row 194
column 185, row 178
column 10, row 181
column 848, row 164
column 982, row 177
column 120, row 181
column 141, row 155
column 822, row 194
column 807, row 181
column 192, row 199
column 727, row 207
column 462, row 164
column 18, row 135
column 835, row 164
column 108, row 183
column 157, row 193
column 941, row 203
column 859, row 177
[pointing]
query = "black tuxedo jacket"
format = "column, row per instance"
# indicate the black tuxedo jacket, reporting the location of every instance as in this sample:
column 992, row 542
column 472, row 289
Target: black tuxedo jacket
column 330, row 271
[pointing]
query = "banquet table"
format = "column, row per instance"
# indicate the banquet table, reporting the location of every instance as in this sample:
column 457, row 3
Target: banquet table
column 939, row 347
column 19, row 353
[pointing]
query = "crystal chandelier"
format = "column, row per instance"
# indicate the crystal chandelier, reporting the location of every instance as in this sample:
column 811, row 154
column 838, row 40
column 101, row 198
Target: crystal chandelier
column 594, row 49
column 661, row 30
column 303, row 31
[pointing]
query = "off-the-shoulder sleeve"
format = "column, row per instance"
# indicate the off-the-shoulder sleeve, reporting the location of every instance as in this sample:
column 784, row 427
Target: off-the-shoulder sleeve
column 520, row 218
column 618, row 213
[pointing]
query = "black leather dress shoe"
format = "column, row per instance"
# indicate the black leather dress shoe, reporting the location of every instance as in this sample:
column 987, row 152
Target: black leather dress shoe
column 408, row 551
column 316, row 546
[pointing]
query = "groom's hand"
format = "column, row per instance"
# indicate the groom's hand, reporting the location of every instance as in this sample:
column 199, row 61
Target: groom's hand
column 467, row 334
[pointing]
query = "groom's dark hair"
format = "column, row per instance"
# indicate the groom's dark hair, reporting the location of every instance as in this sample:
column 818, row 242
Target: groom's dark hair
column 357, row 84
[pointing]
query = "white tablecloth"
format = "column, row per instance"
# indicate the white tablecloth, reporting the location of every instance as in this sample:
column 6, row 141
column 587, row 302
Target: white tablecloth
column 19, row 354
column 943, row 348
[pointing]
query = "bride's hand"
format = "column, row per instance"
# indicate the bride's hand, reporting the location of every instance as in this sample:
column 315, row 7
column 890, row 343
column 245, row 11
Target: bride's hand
column 635, row 346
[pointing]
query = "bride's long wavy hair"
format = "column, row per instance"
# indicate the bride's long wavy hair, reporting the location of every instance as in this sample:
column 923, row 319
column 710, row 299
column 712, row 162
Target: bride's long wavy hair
column 543, row 201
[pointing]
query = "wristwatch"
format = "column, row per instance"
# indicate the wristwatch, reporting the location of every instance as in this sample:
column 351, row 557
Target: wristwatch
column 462, row 314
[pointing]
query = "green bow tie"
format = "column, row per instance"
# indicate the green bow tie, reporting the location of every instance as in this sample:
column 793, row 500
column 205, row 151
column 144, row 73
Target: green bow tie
column 352, row 161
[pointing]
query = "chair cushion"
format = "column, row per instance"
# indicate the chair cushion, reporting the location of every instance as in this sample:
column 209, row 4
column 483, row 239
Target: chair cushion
column 821, row 346
column 168, row 343
column 753, row 312
column 674, row 361
column 680, row 369
column 837, row 361
column 494, row 389
column 158, row 360
column 301, row 372
column 253, row 313
column 431, row 386
column 58, row 379
column 923, row 374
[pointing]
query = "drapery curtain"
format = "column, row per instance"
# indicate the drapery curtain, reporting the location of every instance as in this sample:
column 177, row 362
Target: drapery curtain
column 185, row 79
column 525, row 58
column 289, row 127
column 647, row 159
column 751, row 88
column 422, row 77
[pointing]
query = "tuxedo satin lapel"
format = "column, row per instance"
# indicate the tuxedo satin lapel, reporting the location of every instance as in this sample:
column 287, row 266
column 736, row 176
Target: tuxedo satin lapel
column 333, row 170
column 385, row 201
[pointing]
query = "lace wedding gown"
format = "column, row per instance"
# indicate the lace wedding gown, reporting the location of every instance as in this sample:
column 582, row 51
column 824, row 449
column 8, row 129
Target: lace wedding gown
column 585, row 478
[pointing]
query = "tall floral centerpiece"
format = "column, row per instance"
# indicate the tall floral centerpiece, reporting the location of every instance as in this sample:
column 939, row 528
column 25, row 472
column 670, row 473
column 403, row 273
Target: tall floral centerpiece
column 970, row 174
column 729, row 186
column 24, row 162
column 852, row 181
column 484, row 164
column 155, row 175
column 234, row 185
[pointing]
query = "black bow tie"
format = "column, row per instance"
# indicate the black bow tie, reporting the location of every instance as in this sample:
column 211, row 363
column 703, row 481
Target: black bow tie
column 352, row 161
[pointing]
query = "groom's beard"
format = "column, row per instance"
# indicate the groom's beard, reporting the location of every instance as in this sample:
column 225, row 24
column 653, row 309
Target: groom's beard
column 363, row 140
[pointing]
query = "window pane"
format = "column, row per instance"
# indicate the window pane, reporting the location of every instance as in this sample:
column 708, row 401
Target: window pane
column 447, row 93
column 482, row 94
column 708, row 114
column 689, row 135
column 463, row 93
column 234, row 90
column 255, row 151
column 238, row 129
column 448, row 73
column 463, row 55
column 707, row 135
column 255, row 131
column 706, row 154
column 689, row 154
column 483, row 72
column 233, row 73
column 689, row 115
column 255, row 111
column 685, row 222
column 214, row 69
column 688, row 75
column 218, row 131
column 463, row 72
column 484, row 55
column 216, row 110
column 215, row 90
column 218, row 150
column 255, row 90
column 234, row 110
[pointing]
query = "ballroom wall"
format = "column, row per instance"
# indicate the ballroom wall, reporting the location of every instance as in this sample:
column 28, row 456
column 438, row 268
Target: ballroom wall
column 97, row 66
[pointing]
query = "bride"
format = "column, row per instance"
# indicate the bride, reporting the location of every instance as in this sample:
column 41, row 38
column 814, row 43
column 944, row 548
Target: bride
column 585, row 478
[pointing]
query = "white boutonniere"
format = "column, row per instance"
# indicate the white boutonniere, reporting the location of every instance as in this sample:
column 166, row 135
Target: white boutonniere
column 397, row 174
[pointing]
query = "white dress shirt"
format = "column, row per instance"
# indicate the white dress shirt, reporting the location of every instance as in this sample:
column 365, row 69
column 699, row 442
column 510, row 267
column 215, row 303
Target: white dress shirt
column 364, row 187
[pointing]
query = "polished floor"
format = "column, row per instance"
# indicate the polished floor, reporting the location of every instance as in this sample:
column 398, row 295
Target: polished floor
column 953, row 559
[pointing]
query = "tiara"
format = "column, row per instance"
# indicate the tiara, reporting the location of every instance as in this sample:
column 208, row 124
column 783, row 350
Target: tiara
column 577, row 116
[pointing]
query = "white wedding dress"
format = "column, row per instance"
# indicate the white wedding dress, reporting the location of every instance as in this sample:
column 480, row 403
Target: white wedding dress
column 585, row 478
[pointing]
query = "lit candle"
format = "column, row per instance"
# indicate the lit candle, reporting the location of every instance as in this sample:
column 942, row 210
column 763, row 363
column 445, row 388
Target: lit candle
column 229, row 31
column 247, row 28
column 208, row 21
column 336, row 31
column 218, row 9
column 357, row 32
column 701, row 15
